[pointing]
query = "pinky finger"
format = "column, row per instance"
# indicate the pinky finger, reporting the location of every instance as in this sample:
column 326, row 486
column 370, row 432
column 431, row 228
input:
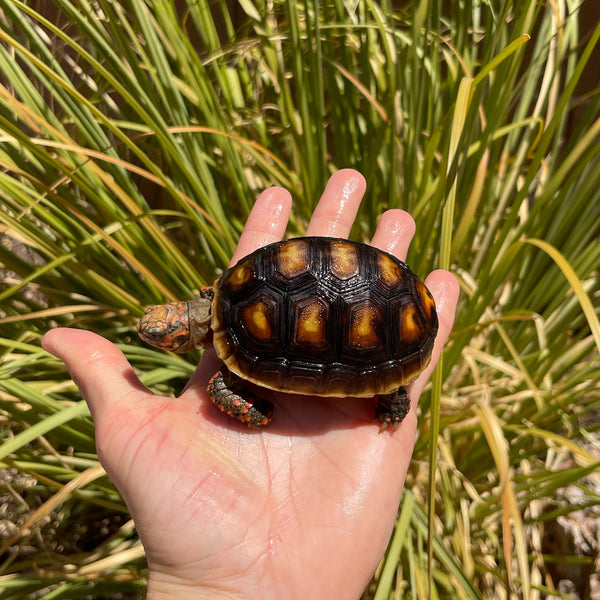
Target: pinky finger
column 445, row 289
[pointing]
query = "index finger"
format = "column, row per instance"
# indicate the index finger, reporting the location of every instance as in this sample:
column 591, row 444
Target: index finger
column 266, row 222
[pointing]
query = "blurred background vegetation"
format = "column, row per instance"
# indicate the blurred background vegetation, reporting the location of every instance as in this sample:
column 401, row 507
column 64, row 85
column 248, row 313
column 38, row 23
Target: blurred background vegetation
column 134, row 137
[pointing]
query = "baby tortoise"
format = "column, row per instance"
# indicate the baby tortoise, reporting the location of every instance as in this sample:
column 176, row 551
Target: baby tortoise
column 315, row 315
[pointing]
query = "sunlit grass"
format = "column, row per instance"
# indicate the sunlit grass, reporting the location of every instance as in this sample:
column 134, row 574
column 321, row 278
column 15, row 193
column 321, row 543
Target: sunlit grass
column 133, row 141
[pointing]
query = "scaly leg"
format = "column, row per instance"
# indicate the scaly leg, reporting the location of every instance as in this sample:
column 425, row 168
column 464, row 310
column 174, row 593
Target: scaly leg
column 229, row 394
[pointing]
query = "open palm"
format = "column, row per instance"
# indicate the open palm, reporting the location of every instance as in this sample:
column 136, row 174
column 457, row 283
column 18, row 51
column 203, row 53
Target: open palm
column 301, row 509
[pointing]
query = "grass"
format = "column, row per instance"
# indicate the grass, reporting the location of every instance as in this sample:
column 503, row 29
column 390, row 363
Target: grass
column 133, row 140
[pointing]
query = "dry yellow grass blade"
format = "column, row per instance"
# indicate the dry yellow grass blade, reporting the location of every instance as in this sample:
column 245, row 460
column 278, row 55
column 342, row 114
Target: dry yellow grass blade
column 495, row 362
column 569, row 273
column 110, row 562
column 521, row 365
column 552, row 439
column 362, row 89
column 53, row 312
column 512, row 524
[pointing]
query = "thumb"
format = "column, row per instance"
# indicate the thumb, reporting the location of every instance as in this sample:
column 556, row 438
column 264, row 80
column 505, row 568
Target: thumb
column 98, row 368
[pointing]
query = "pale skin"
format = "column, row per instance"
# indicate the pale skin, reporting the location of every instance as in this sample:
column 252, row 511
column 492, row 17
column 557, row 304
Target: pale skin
column 302, row 509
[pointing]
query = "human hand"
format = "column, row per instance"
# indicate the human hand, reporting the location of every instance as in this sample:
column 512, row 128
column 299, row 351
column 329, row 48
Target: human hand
column 301, row 509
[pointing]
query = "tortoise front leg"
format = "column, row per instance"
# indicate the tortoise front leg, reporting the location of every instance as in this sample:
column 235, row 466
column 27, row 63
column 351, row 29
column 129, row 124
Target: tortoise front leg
column 393, row 408
column 228, row 392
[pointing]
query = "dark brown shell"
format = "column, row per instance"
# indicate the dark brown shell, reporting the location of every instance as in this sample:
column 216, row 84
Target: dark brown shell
column 323, row 316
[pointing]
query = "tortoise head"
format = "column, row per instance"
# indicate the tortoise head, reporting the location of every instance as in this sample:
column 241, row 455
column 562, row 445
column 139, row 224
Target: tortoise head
column 178, row 326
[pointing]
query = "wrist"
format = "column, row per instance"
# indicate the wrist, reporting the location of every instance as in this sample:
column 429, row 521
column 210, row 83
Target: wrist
column 162, row 586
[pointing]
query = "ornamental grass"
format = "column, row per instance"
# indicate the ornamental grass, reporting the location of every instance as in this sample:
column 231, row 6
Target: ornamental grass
column 134, row 137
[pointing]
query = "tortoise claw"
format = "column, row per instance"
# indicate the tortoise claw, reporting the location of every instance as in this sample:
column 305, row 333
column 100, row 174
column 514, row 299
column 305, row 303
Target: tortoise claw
column 392, row 409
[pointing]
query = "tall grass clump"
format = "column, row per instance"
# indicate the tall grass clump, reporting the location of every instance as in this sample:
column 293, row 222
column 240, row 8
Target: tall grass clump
column 134, row 137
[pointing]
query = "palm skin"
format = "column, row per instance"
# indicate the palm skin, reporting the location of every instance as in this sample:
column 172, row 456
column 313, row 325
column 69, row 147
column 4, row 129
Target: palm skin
column 301, row 509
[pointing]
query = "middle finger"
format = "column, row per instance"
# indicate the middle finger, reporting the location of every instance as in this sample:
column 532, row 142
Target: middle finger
column 337, row 208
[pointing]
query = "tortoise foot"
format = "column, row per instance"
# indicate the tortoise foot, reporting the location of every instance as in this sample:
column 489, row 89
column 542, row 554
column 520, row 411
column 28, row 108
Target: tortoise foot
column 392, row 408
column 229, row 394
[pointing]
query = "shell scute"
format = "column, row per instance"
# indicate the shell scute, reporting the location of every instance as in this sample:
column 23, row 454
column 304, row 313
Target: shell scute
column 310, row 323
column 291, row 259
column 257, row 319
column 343, row 260
column 390, row 273
column 365, row 331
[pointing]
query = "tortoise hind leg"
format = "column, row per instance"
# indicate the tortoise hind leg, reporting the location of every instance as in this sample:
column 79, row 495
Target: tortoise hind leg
column 393, row 408
column 229, row 394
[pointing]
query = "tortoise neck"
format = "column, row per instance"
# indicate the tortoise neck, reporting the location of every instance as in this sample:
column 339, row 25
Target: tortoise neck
column 200, row 317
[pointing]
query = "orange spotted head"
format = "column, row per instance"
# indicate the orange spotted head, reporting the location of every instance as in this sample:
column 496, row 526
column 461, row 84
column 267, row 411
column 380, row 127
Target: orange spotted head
column 178, row 326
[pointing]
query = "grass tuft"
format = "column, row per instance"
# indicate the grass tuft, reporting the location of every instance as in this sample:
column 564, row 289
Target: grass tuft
column 134, row 138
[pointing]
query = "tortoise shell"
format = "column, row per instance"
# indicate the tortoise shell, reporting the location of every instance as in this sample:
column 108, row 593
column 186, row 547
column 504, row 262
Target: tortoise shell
column 323, row 316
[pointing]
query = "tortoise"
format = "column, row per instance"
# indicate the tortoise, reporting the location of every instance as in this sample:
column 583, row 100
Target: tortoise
column 316, row 316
